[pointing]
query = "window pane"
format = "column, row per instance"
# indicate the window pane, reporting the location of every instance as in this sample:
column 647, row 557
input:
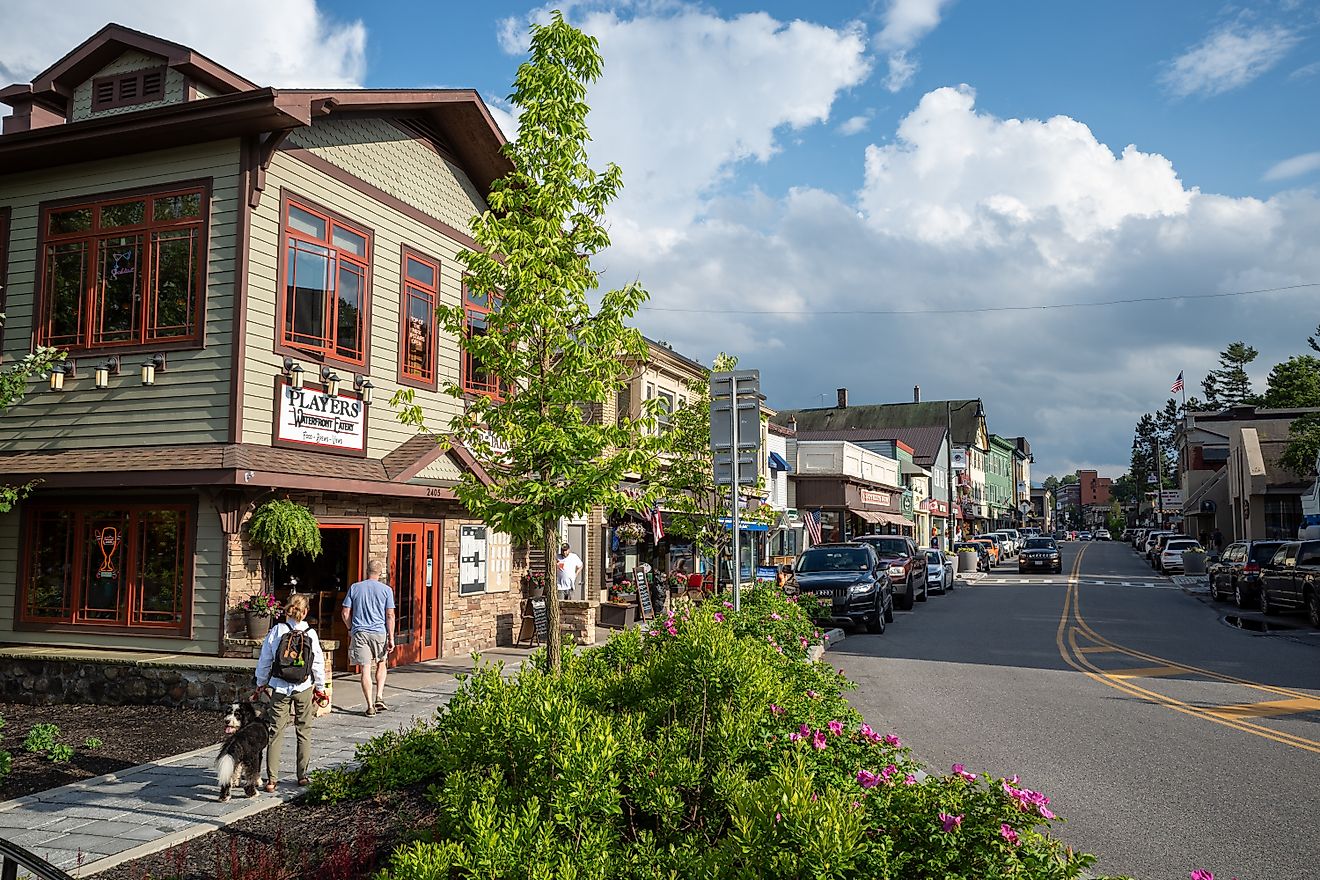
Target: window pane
column 180, row 207
column 348, row 314
column 473, row 298
column 105, row 543
column 74, row 220
column 65, row 282
column 162, row 540
column 418, row 359
column 50, row 579
column 306, row 293
column 117, row 293
column 306, row 222
column 421, row 272
column 349, row 241
column 476, row 379
column 123, row 214
column 175, row 274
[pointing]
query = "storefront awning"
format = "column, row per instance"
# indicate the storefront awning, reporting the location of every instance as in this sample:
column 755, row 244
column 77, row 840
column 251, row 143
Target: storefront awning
column 877, row 518
column 777, row 463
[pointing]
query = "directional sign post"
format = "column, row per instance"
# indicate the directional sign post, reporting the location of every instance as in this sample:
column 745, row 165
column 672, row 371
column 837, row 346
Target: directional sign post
column 735, row 445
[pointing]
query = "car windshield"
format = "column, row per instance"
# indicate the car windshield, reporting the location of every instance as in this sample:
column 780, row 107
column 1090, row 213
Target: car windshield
column 889, row 546
column 1263, row 551
column 934, row 557
column 834, row 559
column 1040, row 544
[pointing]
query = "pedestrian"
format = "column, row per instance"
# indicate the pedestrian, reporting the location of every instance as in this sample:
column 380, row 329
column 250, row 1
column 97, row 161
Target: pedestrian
column 368, row 614
column 291, row 669
column 1219, row 541
column 567, row 569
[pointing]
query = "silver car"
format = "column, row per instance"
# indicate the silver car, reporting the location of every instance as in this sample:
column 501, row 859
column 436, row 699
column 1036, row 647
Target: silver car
column 939, row 570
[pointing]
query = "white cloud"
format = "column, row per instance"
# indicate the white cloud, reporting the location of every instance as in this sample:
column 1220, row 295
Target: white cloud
column 855, row 124
column 906, row 23
column 291, row 43
column 1228, row 59
column 1305, row 71
column 1293, row 167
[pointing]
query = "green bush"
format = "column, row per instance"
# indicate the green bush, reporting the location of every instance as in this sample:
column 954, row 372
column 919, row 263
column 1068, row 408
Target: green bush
column 6, row 765
column 60, row 753
column 92, row 742
column 704, row 746
column 41, row 738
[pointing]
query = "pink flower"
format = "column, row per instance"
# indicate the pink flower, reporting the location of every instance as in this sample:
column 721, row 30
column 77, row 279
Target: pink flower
column 1202, row 874
column 812, row 695
column 868, row 734
column 961, row 771
column 888, row 772
column 1006, row 831
column 794, row 737
column 949, row 822
column 774, row 616
column 819, row 740
column 728, row 604
column 1045, row 812
column 776, row 709
column 909, row 780
column 719, row 617
column 891, row 740
column 779, row 817
column 803, row 641
column 867, row 779
column 805, row 730
column 655, row 632
column 836, row 727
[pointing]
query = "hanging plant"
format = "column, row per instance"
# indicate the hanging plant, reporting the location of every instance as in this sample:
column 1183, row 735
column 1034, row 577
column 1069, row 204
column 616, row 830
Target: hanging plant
column 281, row 528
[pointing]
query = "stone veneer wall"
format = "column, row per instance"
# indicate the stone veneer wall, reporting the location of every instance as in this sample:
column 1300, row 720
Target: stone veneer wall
column 578, row 619
column 49, row 681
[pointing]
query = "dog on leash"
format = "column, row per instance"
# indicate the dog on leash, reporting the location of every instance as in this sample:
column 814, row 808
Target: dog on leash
column 246, row 738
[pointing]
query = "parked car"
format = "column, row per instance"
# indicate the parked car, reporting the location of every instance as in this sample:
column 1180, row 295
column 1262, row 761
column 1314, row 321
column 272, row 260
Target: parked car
column 981, row 550
column 1158, row 547
column 1102, row 535
column 852, row 577
column 1030, row 532
column 1015, row 537
column 1236, row 573
column 991, row 551
column 1127, row 535
column 1171, row 558
column 1007, row 546
column 1084, row 536
column 1001, row 548
column 939, row 570
column 1148, row 544
column 1138, row 538
column 904, row 565
column 1291, row 580
column 1040, row 553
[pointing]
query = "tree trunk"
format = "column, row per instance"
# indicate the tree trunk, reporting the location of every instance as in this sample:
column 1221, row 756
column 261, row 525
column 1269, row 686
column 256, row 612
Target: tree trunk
column 553, row 641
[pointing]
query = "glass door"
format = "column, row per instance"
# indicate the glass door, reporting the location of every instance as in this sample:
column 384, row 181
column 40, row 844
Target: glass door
column 415, row 576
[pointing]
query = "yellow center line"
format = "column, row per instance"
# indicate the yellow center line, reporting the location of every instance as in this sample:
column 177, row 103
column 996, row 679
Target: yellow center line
column 1146, row 672
column 1075, row 656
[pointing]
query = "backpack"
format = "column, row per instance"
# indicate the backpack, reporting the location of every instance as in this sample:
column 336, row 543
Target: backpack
column 293, row 657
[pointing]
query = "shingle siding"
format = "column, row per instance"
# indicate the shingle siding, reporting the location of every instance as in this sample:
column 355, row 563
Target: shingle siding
column 176, row 87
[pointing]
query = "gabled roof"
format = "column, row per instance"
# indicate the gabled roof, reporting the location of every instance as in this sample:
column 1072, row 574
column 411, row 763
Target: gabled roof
column 931, row 413
column 925, row 440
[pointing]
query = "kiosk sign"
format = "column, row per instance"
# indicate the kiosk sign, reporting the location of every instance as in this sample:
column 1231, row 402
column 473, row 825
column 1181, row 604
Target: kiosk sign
column 306, row 417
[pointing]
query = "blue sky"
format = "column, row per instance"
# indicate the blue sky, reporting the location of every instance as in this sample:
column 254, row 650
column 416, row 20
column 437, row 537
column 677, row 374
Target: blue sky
column 797, row 172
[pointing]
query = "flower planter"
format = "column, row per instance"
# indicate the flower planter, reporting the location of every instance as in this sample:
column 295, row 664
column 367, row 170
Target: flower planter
column 967, row 560
column 616, row 616
column 258, row 625
column 1193, row 563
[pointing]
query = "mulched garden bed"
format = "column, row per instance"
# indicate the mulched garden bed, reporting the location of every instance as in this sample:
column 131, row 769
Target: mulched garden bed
column 293, row 841
column 129, row 735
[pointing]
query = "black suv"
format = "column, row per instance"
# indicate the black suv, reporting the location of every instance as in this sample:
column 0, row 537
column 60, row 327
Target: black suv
column 1040, row 553
column 852, row 578
column 905, row 567
column 1236, row 573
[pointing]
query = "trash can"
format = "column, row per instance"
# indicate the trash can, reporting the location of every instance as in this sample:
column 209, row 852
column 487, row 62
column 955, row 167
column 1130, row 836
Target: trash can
column 967, row 560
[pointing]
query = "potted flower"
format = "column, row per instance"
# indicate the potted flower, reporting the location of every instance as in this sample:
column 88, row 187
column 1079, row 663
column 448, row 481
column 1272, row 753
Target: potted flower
column 1194, row 560
column 534, row 583
column 616, row 613
column 280, row 527
column 259, row 608
column 630, row 533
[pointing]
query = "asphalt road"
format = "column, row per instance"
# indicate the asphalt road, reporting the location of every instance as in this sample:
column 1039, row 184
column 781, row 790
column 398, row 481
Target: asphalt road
column 1167, row 738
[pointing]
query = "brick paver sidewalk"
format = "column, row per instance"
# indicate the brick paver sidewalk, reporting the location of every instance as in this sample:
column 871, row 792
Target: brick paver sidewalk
column 98, row 823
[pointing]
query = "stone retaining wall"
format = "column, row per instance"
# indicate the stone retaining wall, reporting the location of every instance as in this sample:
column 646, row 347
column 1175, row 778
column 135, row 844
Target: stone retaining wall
column 50, row 681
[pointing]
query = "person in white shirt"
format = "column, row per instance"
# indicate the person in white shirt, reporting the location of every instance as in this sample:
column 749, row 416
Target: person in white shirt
column 568, row 567
column 289, row 700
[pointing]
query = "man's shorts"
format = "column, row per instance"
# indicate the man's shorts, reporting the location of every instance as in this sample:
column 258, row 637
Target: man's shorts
column 366, row 648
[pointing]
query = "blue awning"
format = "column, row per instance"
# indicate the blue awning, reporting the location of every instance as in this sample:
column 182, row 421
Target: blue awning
column 777, row 463
column 745, row 526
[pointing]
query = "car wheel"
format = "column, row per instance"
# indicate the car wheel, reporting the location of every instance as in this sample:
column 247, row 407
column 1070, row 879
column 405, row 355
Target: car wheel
column 1239, row 595
column 877, row 627
column 889, row 608
column 1214, row 590
column 904, row 601
column 925, row 591
column 1266, row 606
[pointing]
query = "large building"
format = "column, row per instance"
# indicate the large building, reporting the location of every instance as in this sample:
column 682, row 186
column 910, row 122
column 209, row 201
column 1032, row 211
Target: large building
column 1095, row 490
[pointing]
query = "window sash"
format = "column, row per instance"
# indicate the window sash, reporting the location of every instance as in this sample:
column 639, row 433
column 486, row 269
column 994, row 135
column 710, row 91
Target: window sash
column 475, row 378
column 336, row 326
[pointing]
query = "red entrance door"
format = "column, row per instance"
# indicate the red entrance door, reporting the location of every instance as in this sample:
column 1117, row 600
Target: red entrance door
column 415, row 571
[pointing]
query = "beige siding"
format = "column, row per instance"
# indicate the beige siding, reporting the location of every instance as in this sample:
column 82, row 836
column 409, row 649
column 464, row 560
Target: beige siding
column 176, row 86
column 443, row 468
column 391, row 230
column 382, row 155
column 190, row 401
column 208, row 612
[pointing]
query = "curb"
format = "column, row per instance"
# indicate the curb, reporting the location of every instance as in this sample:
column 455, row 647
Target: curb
column 833, row 637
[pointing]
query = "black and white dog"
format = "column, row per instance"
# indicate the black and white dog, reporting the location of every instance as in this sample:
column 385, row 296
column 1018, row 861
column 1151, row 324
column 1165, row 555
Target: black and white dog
column 246, row 738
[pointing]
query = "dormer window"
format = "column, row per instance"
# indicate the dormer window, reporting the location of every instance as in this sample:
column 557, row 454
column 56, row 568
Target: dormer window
column 127, row 89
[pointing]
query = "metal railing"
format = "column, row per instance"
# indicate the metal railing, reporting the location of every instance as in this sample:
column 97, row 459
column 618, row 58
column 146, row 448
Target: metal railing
column 13, row 856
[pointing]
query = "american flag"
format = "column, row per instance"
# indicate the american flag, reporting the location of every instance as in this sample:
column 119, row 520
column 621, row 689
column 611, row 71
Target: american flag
column 1177, row 384
column 657, row 524
column 812, row 522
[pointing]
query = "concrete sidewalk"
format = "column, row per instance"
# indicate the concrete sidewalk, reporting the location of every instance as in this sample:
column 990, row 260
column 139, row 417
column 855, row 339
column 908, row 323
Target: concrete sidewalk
column 92, row 825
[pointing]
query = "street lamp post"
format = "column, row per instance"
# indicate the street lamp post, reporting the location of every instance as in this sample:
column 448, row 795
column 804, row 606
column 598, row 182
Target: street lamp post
column 949, row 410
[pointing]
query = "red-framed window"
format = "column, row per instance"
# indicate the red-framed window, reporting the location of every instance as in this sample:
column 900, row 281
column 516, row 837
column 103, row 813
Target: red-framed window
column 108, row 565
column 123, row 271
column 476, row 318
column 417, row 319
column 327, row 279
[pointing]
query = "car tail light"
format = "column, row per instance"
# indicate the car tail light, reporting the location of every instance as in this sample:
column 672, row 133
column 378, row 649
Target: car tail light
column 1251, row 568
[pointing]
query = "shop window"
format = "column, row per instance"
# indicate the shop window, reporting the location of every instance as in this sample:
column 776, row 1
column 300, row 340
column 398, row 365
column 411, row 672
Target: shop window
column 476, row 316
column 417, row 320
column 666, row 409
column 116, row 566
column 326, row 284
column 123, row 272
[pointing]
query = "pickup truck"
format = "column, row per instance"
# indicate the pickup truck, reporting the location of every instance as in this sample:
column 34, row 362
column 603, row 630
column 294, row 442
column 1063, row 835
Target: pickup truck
column 1291, row 580
column 905, row 566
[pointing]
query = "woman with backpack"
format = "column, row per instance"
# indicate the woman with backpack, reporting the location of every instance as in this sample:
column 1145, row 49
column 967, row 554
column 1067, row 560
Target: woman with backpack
column 292, row 670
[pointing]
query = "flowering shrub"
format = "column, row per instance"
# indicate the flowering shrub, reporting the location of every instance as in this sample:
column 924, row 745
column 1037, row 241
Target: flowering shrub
column 702, row 746
column 618, row 590
column 630, row 531
column 259, row 603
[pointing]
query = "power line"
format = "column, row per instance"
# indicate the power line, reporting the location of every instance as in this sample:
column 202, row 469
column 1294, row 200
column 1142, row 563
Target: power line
column 982, row 310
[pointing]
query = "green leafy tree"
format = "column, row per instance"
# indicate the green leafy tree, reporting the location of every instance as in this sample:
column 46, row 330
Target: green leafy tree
column 541, row 441
column 1069, row 479
column 13, row 386
column 1299, row 454
column 1051, row 483
column 1294, row 383
column 1230, row 385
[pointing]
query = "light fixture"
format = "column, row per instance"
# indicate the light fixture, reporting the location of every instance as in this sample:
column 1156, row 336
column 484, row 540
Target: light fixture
column 363, row 387
column 294, row 371
column 59, row 371
column 150, row 367
column 106, row 370
column 331, row 380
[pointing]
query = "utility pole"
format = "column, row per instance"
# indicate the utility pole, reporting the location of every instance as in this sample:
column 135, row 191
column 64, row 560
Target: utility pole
column 1159, row 492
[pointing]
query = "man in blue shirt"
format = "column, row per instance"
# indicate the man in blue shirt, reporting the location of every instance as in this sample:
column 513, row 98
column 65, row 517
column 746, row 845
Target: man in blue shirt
column 368, row 614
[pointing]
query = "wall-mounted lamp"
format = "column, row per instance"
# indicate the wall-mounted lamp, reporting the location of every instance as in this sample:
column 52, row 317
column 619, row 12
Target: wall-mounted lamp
column 150, row 367
column 59, row 371
column 106, row 370
column 294, row 371
column 362, row 385
column 331, row 380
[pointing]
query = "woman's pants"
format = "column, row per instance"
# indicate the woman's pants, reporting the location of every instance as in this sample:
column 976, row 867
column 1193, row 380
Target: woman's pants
column 298, row 708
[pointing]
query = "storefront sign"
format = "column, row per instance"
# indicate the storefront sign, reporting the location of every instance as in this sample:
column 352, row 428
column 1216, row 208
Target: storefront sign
column 871, row 496
column 939, row 508
column 306, row 417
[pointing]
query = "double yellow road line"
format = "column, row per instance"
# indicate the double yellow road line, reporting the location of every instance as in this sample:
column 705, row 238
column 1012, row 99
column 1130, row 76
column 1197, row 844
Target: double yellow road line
column 1073, row 626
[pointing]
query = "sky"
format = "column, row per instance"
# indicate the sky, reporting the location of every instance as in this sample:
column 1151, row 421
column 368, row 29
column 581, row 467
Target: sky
column 800, row 179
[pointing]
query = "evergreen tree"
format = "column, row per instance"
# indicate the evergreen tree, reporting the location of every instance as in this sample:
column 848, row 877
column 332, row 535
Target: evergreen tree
column 1230, row 385
column 1294, row 383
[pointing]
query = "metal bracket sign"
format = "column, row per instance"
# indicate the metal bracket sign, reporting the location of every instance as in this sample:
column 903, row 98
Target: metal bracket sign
column 735, row 446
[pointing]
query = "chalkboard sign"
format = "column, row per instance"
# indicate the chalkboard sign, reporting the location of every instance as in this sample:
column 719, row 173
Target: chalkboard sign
column 643, row 581
column 541, row 618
